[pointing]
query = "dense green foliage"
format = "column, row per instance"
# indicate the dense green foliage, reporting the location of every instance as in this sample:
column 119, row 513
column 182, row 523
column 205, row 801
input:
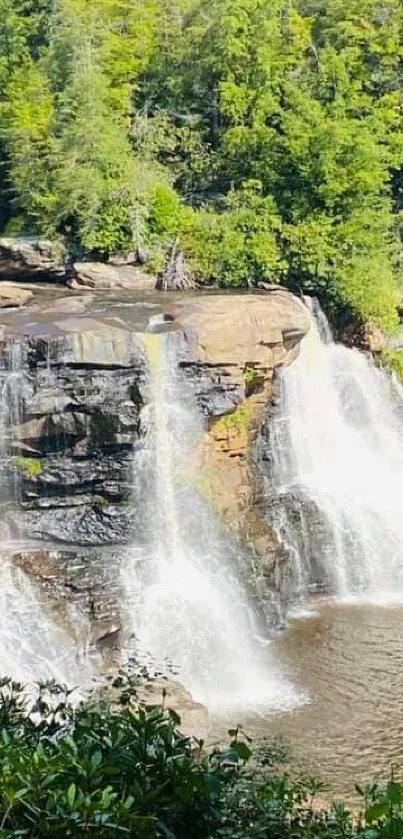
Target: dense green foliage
column 265, row 137
column 393, row 360
column 97, row 773
column 106, row 771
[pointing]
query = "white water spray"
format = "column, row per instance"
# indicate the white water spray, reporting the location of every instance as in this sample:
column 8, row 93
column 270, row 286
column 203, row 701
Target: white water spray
column 187, row 608
column 35, row 643
column 337, row 445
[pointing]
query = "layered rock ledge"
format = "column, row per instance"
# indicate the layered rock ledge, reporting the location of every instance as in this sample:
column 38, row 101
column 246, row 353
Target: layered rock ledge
column 31, row 260
column 75, row 384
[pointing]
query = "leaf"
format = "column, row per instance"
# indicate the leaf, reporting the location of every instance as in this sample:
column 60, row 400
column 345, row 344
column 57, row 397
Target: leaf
column 5, row 737
column 359, row 790
column 377, row 811
column 213, row 784
column 242, row 750
column 174, row 716
column 96, row 759
column 107, row 796
column 71, row 794
column 21, row 793
column 48, row 779
column 394, row 792
column 230, row 755
column 128, row 803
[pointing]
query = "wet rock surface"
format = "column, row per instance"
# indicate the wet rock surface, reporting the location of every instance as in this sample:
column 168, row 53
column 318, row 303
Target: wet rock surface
column 234, row 345
column 86, row 523
column 74, row 371
column 88, row 579
column 78, row 388
column 365, row 336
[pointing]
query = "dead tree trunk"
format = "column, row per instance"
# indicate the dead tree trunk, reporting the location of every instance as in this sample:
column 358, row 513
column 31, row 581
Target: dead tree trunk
column 176, row 276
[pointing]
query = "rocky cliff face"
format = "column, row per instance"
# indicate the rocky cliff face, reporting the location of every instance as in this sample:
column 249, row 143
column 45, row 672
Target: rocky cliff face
column 73, row 388
column 77, row 387
column 234, row 345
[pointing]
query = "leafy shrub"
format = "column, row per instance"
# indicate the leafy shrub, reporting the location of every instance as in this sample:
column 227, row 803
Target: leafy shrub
column 89, row 768
column 100, row 772
column 393, row 359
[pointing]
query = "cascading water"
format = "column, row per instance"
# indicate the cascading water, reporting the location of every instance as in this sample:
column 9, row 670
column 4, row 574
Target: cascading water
column 37, row 641
column 187, row 609
column 337, row 453
column 33, row 643
column 11, row 384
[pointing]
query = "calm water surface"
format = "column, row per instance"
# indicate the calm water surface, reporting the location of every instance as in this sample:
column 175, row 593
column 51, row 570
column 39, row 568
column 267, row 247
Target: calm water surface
column 348, row 661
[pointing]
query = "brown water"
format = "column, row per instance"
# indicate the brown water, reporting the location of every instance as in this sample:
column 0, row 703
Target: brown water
column 348, row 661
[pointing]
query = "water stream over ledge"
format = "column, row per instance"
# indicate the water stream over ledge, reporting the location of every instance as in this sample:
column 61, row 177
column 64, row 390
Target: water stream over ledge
column 337, row 454
column 189, row 611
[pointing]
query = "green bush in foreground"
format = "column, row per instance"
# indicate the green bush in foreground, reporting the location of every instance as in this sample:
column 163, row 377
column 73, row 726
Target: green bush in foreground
column 90, row 771
column 105, row 771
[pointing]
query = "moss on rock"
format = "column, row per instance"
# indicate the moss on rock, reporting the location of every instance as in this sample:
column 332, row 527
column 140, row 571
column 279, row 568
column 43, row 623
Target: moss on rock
column 30, row 467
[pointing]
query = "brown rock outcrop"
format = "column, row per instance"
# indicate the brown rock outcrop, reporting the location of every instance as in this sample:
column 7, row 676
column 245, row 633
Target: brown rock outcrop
column 23, row 259
column 365, row 336
column 173, row 696
column 98, row 275
column 236, row 332
column 13, row 296
column 234, row 345
column 72, row 305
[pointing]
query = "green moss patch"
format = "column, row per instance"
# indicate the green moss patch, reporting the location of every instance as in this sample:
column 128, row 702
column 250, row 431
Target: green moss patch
column 240, row 420
column 31, row 467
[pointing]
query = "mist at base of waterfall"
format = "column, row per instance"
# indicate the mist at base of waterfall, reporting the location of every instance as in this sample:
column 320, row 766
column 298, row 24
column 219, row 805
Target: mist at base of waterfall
column 196, row 634
column 337, row 450
column 184, row 600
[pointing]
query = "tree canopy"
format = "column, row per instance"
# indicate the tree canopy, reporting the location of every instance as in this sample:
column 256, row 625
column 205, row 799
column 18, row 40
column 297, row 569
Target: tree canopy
column 265, row 137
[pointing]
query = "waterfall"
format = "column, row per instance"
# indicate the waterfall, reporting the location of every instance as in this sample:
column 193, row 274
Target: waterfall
column 38, row 640
column 337, row 466
column 35, row 642
column 186, row 606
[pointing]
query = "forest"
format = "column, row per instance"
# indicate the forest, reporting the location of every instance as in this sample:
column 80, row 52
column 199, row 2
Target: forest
column 263, row 139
